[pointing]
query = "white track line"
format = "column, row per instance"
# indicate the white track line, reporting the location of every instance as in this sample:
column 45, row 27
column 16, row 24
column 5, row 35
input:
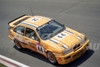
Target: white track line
column 13, row 61
column 7, row 64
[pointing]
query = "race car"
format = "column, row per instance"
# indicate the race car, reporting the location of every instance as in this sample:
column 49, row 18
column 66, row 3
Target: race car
column 48, row 37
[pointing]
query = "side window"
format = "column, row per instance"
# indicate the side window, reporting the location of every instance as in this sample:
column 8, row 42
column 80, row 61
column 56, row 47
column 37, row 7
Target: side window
column 31, row 34
column 19, row 30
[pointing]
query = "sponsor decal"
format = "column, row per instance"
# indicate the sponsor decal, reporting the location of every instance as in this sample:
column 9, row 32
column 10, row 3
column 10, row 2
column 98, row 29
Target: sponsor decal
column 35, row 19
column 20, row 41
column 30, row 43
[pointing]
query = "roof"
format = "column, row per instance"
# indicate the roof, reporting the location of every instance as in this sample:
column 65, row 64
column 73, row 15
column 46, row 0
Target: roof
column 36, row 21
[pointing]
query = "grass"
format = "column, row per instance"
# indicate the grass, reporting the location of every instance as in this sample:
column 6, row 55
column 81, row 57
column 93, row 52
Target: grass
column 2, row 65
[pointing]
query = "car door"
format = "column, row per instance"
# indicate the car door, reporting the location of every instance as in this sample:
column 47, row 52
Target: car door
column 31, row 39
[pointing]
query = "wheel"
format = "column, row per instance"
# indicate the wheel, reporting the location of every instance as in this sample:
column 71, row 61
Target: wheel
column 17, row 44
column 51, row 57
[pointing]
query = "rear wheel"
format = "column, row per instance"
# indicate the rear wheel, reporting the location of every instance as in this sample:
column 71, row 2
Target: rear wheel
column 51, row 58
column 17, row 44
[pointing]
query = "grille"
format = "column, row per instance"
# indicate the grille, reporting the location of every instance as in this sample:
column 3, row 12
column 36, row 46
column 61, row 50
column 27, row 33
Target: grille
column 67, row 57
column 78, row 54
column 76, row 46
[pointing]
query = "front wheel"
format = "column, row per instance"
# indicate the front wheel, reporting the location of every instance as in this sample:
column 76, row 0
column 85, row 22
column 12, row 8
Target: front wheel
column 51, row 58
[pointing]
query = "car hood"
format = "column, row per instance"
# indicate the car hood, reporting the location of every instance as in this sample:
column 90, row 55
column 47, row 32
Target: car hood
column 65, row 39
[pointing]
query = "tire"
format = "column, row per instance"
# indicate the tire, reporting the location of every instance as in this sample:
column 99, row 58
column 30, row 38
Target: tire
column 51, row 57
column 17, row 44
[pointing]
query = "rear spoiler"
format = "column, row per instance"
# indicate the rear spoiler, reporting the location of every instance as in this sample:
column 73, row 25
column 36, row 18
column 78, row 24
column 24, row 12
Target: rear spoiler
column 17, row 18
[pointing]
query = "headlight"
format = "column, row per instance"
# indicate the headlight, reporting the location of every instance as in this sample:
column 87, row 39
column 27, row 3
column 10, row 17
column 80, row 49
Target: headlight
column 67, row 51
column 83, row 40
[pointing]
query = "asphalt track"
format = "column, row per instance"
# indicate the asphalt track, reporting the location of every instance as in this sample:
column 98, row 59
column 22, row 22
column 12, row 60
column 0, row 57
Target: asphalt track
column 81, row 15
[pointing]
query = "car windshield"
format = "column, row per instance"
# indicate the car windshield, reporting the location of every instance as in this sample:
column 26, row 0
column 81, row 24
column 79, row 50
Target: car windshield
column 50, row 29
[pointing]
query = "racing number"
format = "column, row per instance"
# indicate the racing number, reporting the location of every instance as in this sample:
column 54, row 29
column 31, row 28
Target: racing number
column 35, row 19
column 40, row 48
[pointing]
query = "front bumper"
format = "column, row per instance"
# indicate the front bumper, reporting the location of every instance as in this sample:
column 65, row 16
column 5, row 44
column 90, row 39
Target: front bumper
column 65, row 59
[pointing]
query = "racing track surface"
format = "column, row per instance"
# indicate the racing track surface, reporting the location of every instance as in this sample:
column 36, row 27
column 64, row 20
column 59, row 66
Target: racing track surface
column 81, row 15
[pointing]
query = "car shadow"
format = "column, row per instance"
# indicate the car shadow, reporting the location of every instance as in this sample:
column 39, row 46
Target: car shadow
column 33, row 54
column 74, row 63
